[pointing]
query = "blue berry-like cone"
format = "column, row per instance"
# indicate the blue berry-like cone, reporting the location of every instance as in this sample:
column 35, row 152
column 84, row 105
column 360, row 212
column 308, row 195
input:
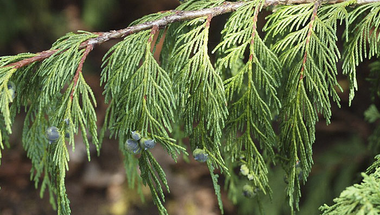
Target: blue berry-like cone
column 136, row 135
column 148, row 144
column 132, row 146
column 12, row 89
column 11, row 85
column 52, row 134
column 200, row 155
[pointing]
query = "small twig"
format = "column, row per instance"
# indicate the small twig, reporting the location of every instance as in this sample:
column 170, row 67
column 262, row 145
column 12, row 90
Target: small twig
column 178, row 16
column 39, row 57
column 152, row 33
column 89, row 48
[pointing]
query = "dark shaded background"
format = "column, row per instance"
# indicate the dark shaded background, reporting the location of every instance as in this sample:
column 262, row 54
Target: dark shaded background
column 99, row 187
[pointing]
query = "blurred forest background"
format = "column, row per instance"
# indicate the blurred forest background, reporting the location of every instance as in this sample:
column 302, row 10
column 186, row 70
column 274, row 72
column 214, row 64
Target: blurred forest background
column 341, row 150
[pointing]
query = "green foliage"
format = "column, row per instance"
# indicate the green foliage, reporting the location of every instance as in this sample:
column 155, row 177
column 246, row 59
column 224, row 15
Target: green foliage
column 149, row 168
column 198, row 87
column 6, row 99
column 214, row 178
column 332, row 172
column 252, row 101
column 360, row 198
column 40, row 86
column 143, row 100
column 229, row 108
column 361, row 45
column 309, row 53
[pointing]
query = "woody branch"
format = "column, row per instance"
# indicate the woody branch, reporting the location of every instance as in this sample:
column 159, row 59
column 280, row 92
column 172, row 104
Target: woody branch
column 175, row 16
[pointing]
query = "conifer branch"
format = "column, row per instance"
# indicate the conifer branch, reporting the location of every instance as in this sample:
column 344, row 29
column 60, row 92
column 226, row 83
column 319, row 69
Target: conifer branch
column 178, row 16
column 291, row 76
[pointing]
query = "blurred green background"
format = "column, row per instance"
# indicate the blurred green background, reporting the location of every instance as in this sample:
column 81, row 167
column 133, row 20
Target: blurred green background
column 341, row 150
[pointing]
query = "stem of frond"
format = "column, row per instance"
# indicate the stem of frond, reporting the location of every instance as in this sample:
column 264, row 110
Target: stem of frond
column 316, row 6
column 40, row 57
column 254, row 27
column 152, row 33
column 79, row 69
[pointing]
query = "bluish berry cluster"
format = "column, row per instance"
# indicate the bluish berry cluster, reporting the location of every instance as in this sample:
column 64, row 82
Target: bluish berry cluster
column 137, row 143
column 52, row 134
column 200, row 155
